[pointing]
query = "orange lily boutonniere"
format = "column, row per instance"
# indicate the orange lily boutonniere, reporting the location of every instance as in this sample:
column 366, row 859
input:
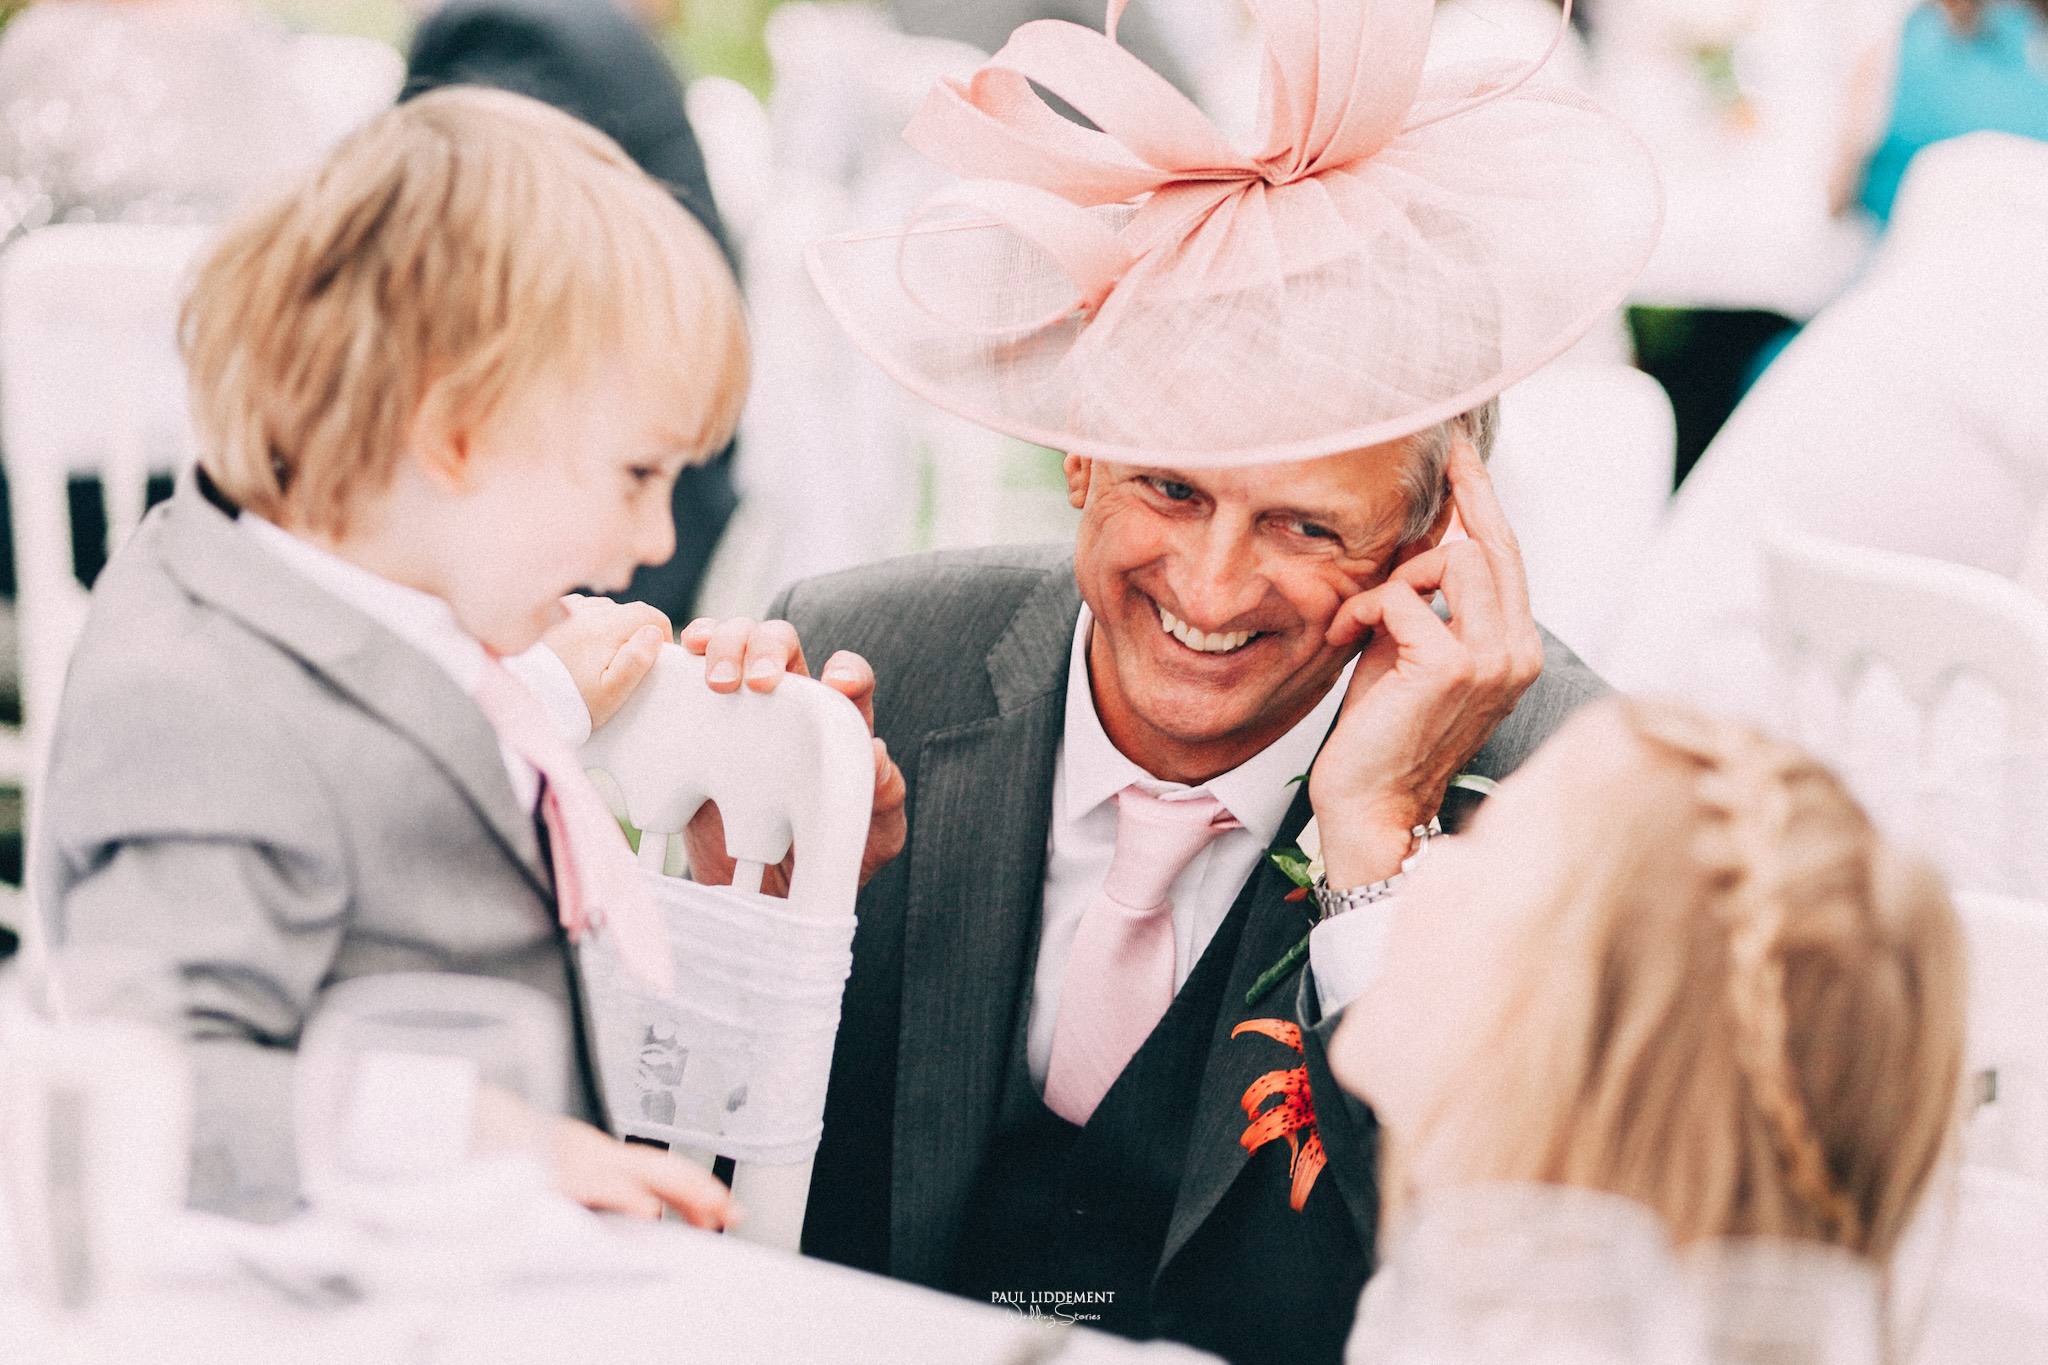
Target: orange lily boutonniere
column 1290, row 1117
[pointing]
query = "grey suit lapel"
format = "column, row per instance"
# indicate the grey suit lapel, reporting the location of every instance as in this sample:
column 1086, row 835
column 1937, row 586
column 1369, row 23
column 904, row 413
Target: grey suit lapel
column 1215, row 1157
column 376, row 669
column 980, row 813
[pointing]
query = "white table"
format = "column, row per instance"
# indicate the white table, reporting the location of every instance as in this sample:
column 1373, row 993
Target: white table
column 661, row 1294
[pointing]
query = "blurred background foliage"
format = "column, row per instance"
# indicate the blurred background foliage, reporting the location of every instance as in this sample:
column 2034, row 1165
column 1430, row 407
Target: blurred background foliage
column 706, row 38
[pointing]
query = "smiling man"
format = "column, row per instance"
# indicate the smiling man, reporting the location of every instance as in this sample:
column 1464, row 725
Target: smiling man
column 1081, row 1059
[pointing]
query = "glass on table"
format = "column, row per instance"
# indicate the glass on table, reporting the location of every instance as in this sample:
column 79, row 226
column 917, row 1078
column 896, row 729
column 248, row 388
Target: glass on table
column 413, row 1087
column 96, row 1123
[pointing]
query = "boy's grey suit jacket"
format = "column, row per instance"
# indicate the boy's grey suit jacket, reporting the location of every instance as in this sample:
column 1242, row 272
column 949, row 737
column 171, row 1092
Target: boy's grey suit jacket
column 270, row 794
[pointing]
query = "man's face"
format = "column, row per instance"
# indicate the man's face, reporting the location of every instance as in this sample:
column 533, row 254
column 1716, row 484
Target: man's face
column 1212, row 593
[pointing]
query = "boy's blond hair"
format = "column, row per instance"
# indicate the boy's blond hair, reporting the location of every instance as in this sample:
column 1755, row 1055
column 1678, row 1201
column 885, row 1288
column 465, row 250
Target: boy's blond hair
column 461, row 250
column 1738, row 1005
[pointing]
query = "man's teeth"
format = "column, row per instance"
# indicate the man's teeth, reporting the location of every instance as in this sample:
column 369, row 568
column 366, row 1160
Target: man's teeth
column 1200, row 639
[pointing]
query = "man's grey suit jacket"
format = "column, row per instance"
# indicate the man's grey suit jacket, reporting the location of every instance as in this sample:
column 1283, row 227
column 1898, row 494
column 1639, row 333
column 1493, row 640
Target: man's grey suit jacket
column 972, row 651
column 269, row 793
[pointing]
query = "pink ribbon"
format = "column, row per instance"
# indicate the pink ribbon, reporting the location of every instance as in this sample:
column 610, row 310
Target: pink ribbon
column 1340, row 83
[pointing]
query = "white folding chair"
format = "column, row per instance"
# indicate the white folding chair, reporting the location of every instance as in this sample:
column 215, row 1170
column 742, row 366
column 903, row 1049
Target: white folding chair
column 734, row 1063
column 90, row 385
column 343, row 82
column 2007, row 943
column 1583, row 467
column 1926, row 683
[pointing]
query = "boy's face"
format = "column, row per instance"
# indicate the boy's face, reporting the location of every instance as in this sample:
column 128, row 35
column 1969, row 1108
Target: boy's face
column 569, row 491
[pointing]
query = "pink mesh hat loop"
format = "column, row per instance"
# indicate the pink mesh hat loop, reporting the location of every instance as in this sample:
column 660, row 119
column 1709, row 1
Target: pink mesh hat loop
column 1395, row 248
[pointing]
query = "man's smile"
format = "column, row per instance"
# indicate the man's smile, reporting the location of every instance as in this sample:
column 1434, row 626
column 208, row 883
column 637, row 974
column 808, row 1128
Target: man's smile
column 1206, row 642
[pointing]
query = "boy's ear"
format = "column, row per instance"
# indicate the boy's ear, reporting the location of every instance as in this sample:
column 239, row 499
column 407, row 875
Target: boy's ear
column 440, row 450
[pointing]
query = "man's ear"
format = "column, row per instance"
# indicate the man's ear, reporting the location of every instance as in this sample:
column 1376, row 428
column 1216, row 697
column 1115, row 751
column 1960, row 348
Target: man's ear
column 1080, row 469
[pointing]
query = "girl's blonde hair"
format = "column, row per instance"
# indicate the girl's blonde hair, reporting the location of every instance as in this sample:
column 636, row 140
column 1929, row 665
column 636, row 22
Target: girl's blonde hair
column 1737, row 1006
column 461, row 250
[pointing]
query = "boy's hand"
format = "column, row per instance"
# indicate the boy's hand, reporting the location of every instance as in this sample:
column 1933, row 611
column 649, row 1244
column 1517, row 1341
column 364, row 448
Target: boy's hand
column 603, row 1173
column 607, row 647
column 761, row 653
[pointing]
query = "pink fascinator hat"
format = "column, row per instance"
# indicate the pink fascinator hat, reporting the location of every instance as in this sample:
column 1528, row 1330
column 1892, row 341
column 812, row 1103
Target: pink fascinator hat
column 1392, row 250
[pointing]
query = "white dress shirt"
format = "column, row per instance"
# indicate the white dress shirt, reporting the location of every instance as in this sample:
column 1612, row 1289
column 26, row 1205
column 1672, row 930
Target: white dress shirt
column 1089, row 771
column 428, row 624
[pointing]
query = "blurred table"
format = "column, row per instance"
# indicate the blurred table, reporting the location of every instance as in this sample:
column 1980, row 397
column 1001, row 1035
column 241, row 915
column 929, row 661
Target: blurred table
column 655, row 1294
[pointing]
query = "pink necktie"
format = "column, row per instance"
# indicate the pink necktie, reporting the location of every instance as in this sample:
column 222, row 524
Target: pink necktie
column 1119, row 975
column 596, row 883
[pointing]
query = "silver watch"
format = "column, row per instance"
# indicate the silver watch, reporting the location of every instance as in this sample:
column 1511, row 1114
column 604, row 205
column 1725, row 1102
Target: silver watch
column 1334, row 901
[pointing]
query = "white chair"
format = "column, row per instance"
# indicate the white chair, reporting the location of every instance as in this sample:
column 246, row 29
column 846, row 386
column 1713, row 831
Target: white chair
column 90, row 385
column 1583, row 467
column 735, row 1062
column 1967, row 1283
column 1907, row 417
column 343, row 82
column 2007, row 943
column 739, row 155
column 1926, row 683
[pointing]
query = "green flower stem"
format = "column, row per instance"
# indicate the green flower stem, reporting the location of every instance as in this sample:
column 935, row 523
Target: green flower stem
column 1276, row 973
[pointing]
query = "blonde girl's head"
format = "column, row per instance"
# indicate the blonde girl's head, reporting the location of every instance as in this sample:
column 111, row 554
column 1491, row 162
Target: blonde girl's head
column 1703, row 982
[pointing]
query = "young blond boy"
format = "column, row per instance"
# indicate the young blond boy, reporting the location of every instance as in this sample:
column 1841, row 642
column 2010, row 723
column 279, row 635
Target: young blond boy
column 449, row 378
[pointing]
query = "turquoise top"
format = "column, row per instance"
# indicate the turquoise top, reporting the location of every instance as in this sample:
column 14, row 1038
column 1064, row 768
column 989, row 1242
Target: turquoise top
column 1951, row 83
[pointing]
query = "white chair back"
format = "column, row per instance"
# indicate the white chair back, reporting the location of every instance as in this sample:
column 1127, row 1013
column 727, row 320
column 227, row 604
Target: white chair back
column 1926, row 684
column 343, row 82
column 90, row 385
column 735, row 1063
column 1583, row 467
column 2007, row 1073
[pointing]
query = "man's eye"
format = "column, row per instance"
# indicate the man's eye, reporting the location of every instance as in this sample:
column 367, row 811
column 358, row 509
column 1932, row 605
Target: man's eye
column 643, row 473
column 1311, row 529
column 1171, row 489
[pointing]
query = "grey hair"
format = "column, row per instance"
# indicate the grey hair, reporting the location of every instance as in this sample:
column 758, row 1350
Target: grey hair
column 1426, row 480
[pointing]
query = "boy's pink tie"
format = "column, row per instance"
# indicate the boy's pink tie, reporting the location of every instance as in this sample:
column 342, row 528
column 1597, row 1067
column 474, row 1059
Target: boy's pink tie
column 1119, row 976
column 596, row 884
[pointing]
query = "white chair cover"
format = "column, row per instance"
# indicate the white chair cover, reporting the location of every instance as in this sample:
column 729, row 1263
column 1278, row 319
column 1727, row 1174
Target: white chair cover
column 343, row 82
column 2007, row 1128
column 734, row 1063
column 1926, row 683
column 1908, row 417
column 1583, row 467
column 90, row 384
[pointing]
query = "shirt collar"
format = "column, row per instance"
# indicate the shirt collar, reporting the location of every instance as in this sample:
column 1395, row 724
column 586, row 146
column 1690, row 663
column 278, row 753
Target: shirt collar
column 1257, row 792
column 421, row 619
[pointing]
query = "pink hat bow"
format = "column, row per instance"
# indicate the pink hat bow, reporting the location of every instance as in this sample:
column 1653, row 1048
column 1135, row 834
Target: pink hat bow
column 1389, row 255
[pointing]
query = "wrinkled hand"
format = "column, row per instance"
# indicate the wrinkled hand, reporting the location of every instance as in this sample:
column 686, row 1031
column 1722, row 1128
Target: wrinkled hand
column 608, row 647
column 600, row 1172
column 757, row 654
column 1426, row 693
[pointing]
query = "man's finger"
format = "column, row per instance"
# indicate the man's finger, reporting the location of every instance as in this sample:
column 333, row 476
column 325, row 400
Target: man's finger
column 773, row 650
column 853, row 678
column 1479, row 511
column 631, row 663
column 1473, row 595
column 697, row 634
column 890, row 788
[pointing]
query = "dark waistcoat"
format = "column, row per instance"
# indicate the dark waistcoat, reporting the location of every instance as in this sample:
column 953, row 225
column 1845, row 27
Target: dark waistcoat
column 1070, row 1221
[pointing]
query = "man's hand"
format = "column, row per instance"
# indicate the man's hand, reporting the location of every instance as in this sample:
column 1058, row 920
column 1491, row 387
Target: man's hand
column 602, row 1173
column 1426, row 694
column 607, row 647
column 758, row 654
